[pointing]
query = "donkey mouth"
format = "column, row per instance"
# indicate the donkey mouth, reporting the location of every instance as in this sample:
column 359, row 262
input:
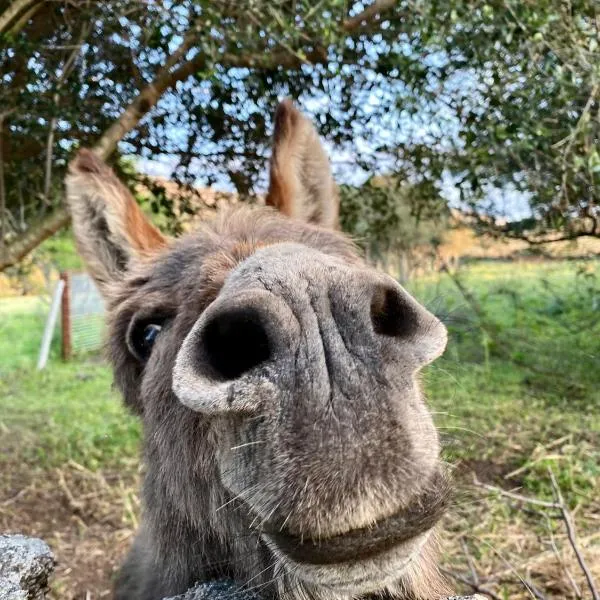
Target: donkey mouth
column 371, row 541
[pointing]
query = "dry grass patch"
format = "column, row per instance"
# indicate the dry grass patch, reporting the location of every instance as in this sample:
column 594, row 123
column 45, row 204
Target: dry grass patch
column 87, row 517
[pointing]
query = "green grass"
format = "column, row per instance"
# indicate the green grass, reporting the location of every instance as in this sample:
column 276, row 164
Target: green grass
column 490, row 415
column 523, row 374
column 539, row 383
column 517, row 392
column 544, row 319
column 68, row 411
column 22, row 321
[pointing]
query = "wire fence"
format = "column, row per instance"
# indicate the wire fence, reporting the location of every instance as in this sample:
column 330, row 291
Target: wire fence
column 82, row 315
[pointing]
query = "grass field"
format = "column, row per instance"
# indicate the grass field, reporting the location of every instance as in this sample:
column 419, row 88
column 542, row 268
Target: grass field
column 516, row 397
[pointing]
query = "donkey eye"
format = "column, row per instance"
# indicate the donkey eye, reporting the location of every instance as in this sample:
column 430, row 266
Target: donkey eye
column 150, row 334
column 144, row 337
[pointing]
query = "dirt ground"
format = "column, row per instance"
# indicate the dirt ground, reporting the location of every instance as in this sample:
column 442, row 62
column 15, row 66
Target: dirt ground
column 87, row 518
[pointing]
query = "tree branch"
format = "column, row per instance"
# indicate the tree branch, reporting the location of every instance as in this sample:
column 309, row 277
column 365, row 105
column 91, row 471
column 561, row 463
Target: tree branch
column 14, row 11
column 560, row 560
column 147, row 98
column 534, row 241
column 369, row 14
column 513, row 496
column 488, row 225
column 570, row 527
column 165, row 79
column 34, row 236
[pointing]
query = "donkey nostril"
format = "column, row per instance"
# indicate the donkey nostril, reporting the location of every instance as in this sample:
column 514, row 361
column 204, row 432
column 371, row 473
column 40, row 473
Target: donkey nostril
column 391, row 313
column 233, row 342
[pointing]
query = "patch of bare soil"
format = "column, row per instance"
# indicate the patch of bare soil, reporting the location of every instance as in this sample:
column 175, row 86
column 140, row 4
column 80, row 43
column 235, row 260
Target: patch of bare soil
column 86, row 517
column 487, row 471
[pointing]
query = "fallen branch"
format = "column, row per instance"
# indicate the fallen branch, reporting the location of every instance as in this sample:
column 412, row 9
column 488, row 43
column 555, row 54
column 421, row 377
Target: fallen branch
column 563, row 513
column 469, row 558
column 570, row 526
column 561, row 562
column 514, row 496
column 475, row 587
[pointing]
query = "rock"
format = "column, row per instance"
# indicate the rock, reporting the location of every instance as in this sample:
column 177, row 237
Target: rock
column 216, row 590
column 25, row 566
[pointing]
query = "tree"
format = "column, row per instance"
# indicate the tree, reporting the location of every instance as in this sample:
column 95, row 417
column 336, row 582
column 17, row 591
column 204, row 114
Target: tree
column 381, row 217
column 520, row 81
column 490, row 94
column 101, row 73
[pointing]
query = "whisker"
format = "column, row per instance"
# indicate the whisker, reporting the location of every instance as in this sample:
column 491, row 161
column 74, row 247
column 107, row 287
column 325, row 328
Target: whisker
column 477, row 433
column 257, row 575
column 246, row 493
column 248, row 444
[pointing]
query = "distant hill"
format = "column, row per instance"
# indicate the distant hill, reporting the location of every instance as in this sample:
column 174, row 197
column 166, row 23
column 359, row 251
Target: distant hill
column 461, row 241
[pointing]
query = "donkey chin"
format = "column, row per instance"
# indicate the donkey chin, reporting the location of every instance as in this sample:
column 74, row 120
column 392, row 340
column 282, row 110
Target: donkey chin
column 391, row 572
column 396, row 555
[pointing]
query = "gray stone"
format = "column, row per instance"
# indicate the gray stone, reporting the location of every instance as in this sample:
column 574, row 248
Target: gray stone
column 25, row 566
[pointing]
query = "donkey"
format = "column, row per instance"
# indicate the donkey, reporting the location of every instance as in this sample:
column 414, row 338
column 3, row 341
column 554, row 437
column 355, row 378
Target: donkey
column 287, row 445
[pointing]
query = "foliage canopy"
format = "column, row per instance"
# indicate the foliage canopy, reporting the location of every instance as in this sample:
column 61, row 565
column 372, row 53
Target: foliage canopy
column 488, row 94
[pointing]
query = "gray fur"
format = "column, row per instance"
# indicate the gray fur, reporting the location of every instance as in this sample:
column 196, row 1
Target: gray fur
column 315, row 472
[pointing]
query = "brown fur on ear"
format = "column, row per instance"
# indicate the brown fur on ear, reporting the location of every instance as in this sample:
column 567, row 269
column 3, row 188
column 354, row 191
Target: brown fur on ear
column 301, row 184
column 109, row 226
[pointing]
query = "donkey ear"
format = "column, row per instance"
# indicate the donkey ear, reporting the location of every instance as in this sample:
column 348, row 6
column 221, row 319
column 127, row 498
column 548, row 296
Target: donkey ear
column 110, row 229
column 301, row 184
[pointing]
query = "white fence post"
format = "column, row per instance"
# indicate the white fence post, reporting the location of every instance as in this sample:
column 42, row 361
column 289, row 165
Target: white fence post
column 50, row 324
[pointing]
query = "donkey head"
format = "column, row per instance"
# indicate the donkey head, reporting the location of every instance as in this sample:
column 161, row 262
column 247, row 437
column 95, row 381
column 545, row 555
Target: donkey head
column 287, row 441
